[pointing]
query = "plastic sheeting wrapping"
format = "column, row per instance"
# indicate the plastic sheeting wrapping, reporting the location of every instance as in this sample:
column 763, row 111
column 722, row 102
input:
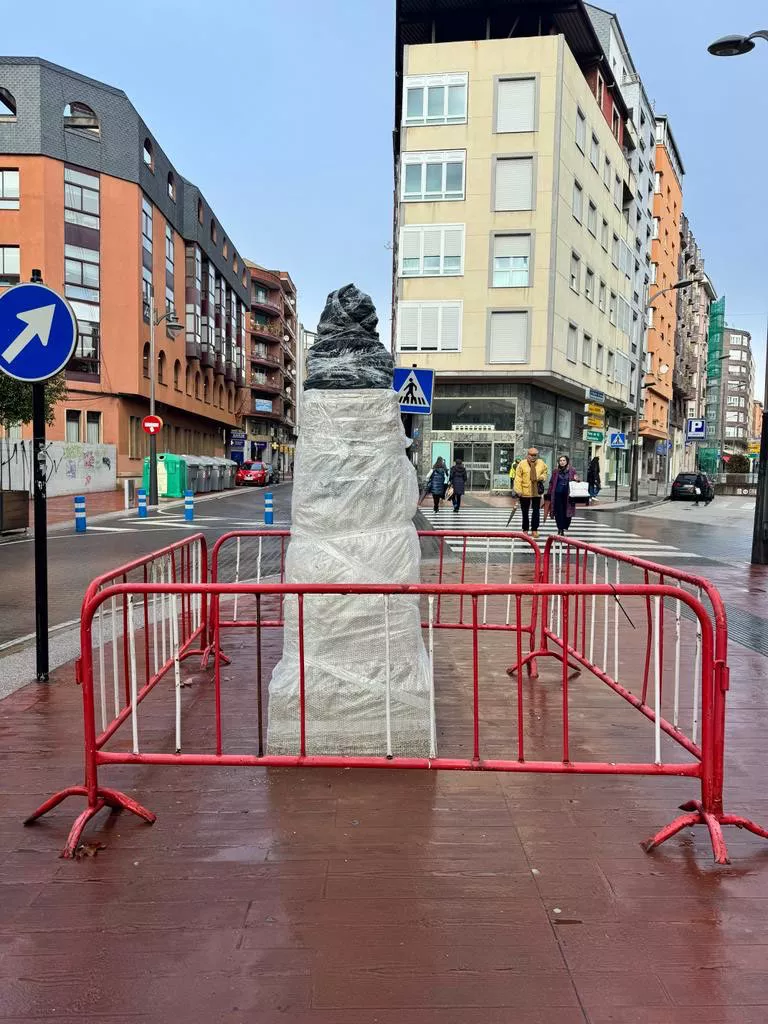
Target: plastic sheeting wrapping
column 354, row 498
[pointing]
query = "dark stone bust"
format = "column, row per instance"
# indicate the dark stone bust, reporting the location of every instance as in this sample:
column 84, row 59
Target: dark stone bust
column 348, row 353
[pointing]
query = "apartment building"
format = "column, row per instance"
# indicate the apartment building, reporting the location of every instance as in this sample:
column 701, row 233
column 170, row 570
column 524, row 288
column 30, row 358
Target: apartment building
column 88, row 196
column 757, row 419
column 515, row 256
column 270, row 416
column 689, row 370
column 737, row 389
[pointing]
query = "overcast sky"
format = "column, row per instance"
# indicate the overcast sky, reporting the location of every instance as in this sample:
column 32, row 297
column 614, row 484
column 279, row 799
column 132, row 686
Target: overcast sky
column 282, row 114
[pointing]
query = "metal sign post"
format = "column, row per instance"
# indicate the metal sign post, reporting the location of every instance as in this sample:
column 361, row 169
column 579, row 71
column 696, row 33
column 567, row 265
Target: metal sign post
column 32, row 354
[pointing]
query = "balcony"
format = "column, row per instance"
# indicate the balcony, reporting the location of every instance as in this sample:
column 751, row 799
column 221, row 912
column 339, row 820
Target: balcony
column 265, row 305
column 218, row 363
column 270, row 384
column 271, row 330
column 207, row 357
column 240, row 377
column 265, row 357
column 230, row 371
column 194, row 349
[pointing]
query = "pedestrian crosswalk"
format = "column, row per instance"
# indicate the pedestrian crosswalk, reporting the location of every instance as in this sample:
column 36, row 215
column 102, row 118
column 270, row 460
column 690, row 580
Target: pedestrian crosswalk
column 592, row 529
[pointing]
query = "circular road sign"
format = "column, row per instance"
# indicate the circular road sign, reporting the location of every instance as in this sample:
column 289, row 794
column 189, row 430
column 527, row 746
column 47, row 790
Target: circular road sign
column 38, row 332
column 152, row 424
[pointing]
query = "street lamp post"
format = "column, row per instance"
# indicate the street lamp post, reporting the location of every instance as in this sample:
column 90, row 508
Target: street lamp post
column 735, row 46
column 173, row 326
column 634, row 477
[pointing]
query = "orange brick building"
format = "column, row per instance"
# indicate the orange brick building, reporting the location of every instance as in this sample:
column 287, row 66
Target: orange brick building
column 665, row 253
column 88, row 197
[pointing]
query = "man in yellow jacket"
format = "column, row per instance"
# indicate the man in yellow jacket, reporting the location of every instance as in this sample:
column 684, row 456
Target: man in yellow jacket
column 530, row 484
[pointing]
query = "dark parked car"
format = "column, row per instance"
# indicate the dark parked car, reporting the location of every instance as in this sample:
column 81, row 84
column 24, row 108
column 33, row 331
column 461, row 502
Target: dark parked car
column 253, row 473
column 683, row 488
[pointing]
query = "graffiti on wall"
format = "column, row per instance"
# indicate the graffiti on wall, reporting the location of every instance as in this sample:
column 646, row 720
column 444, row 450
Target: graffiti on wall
column 70, row 467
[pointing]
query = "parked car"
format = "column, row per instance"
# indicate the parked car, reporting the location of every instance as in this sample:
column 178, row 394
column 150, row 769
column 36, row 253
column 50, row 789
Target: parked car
column 256, row 474
column 683, row 487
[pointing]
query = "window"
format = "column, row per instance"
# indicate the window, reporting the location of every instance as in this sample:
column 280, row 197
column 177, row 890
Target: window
column 578, row 201
column 621, row 370
column 214, row 232
column 586, row 350
column 93, row 427
column 10, row 269
column 649, row 318
column 9, row 188
column 197, row 385
column 624, row 315
column 581, row 130
column 7, row 105
column 655, row 232
column 607, row 173
column 145, row 361
column 604, row 235
column 225, row 248
column 435, row 99
column 609, row 365
column 169, row 253
column 81, row 273
column 516, row 105
column 432, row 250
column 80, row 117
column 513, row 184
column 206, row 389
column 148, row 156
column 589, row 285
column 599, row 358
column 575, row 280
column 171, row 187
column 599, row 90
column 146, row 224
column 81, row 198
column 618, row 192
column 572, row 343
column 73, row 425
column 615, row 251
column 260, row 295
column 592, row 218
column 429, row 326
column 188, row 381
column 612, row 308
column 177, row 375
column 508, row 337
column 654, row 269
column 161, row 364
column 200, row 215
column 657, row 182
column 511, row 261
column 601, row 297
column 616, row 124
column 433, row 176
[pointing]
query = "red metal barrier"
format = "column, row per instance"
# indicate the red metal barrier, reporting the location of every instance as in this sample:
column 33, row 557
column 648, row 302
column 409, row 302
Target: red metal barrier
column 152, row 646
column 513, row 708
column 567, row 561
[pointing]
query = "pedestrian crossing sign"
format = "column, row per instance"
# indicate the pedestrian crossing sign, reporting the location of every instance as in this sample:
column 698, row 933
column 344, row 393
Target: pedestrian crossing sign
column 414, row 388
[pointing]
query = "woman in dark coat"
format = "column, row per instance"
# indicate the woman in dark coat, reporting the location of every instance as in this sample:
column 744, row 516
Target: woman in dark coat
column 458, row 480
column 558, row 494
column 437, row 481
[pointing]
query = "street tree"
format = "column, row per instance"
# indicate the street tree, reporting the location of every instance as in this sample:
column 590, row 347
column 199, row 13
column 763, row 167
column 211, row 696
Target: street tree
column 16, row 399
column 739, row 464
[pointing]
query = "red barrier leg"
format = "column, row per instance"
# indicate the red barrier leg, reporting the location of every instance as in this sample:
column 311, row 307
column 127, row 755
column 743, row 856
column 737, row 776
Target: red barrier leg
column 714, row 822
column 670, row 830
column 54, row 801
column 740, row 822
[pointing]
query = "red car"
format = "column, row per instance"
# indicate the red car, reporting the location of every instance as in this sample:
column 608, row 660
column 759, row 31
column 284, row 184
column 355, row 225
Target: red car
column 253, row 473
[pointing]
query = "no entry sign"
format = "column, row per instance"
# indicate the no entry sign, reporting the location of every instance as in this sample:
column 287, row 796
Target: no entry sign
column 151, row 424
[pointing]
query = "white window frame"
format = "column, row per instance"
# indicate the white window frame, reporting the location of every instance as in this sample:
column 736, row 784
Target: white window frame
column 607, row 172
column 572, row 342
column 420, row 229
column 581, row 130
column 10, row 188
column 594, row 151
column 425, row 82
column 586, row 349
column 457, row 305
column 599, row 357
column 517, row 312
column 494, row 257
column 574, row 277
column 602, row 294
column 506, row 80
column 589, row 285
column 577, row 191
column 422, row 159
column 591, row 218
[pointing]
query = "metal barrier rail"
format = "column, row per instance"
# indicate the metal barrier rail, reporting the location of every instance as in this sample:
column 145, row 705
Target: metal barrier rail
column 700, row 763
column 569, row 560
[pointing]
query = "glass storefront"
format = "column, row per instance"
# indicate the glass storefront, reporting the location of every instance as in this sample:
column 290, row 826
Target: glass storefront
column 496, row 413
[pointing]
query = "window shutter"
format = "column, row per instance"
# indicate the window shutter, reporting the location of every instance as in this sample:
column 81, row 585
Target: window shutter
column 452, row 239
column 432, row 241
column 512, row 245
column 508, row 340
column 450, row 328
column 408, row 326
column 410, row 244
column 514, row 184
column 430, row 329
column 516, row 105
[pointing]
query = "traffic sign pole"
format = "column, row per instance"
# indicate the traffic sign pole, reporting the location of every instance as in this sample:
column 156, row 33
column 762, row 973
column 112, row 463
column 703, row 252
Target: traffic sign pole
column 41, row 531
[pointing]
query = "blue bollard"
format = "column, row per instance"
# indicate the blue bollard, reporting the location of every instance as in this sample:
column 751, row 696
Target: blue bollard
column 189, row 506
column 80, row 524
column 269, row 517
column 141, row 495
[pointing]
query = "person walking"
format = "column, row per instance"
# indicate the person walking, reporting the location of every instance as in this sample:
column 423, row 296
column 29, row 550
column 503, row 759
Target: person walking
column 593, row 478
column 530, row 484
column 437, row 482
column 702, row 489
column 559, row 496
column 458, row 481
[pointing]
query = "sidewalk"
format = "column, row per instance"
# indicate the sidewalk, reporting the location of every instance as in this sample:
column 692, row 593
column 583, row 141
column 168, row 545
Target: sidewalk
column 306, row 896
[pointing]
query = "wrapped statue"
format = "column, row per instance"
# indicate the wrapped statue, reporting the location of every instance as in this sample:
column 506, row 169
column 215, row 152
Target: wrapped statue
column 355, row 493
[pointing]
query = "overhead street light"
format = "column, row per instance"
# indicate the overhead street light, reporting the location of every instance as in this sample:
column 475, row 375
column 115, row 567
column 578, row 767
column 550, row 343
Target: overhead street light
column 734, row 46
column 634, row 475
column 173, row 327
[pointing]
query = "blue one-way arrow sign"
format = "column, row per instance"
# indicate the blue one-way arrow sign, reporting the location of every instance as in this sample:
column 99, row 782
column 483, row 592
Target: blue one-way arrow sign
column 38, row 332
